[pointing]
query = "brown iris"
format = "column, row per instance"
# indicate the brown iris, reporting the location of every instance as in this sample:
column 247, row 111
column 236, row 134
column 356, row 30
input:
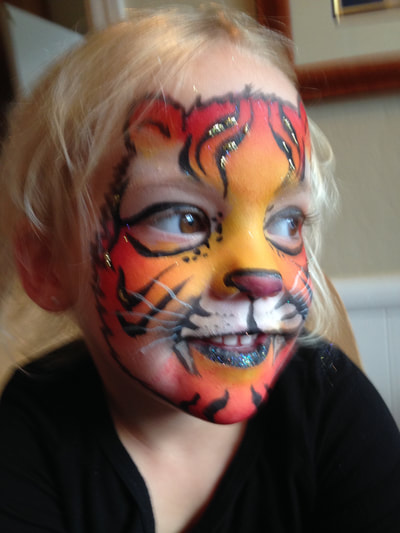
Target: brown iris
column 192, row 223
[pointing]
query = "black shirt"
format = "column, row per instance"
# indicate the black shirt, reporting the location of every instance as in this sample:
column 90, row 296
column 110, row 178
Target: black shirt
column 322, row 455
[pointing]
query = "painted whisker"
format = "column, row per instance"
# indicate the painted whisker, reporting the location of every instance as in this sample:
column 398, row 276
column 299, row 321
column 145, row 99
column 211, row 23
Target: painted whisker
column 162, row 328
column 153, row 307
column 153, row 343
column 146, row 315
column 172, row 294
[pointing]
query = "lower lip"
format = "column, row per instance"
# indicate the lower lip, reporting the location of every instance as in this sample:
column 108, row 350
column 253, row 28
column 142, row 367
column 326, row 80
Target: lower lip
column 237, row 357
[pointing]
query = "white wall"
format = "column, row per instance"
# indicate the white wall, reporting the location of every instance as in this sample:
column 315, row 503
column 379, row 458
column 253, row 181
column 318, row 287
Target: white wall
column 373, row 305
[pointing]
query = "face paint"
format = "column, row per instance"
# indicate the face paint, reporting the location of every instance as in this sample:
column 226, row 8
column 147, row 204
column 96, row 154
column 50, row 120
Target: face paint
column 200, row 272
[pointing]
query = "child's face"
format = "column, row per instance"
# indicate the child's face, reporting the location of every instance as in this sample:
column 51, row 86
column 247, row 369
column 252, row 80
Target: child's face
column 200, row 275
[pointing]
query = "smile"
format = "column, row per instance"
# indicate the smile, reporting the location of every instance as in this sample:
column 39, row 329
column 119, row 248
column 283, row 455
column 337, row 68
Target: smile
column 241, row 351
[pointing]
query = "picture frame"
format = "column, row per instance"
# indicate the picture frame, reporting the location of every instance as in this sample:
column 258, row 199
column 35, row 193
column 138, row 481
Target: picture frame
column 350, row 7
column 321, row 78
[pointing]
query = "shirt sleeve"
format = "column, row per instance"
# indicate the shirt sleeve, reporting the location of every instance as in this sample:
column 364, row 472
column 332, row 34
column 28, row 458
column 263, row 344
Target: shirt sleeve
column 28, row 499
column 358, row 455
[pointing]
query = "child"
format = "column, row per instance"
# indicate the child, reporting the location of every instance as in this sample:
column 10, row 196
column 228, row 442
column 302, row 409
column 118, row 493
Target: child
column 161, row 184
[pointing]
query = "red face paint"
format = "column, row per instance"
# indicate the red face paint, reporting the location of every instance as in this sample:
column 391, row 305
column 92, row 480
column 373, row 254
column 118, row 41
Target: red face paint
column 200, row 271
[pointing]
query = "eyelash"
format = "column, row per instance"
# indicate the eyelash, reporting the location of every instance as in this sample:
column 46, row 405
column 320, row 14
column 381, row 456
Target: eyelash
column 311, row 218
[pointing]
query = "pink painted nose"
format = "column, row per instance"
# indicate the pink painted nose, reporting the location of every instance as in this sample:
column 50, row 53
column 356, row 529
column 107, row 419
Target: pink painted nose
column 257, row 283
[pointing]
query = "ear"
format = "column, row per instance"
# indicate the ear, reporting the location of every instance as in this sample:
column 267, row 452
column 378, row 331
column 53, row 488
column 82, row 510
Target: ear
column 42, row 277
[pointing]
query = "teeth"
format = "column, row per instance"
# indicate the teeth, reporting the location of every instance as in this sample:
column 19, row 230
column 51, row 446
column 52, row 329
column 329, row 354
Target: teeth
column 235, row 340
column 247, row 340
column 230, row 340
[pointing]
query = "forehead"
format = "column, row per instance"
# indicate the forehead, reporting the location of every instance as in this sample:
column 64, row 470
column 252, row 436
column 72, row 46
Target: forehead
column 224, row 70
column 245, row 147
column 227, row 69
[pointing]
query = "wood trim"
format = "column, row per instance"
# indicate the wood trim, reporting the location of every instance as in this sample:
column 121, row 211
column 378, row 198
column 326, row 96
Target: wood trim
column 331, row 79
column 275, row 14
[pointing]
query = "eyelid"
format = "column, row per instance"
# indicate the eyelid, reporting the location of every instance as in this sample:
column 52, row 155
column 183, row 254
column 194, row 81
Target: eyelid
column 145, row 231
column 287, row 244
column 295, row 194
column 175, row 211
column 157, row 209
column 286, row 212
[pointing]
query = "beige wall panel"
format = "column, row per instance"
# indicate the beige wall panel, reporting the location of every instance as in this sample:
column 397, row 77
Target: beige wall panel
column 244, row 5
column 364, row 132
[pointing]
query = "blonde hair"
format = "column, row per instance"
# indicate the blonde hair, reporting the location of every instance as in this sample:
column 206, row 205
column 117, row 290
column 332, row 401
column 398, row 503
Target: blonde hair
column 59, row 134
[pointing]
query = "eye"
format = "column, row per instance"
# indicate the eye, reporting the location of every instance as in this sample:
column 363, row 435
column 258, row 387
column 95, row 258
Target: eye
column 184, row 220
column 283, row 229
column 167, row 229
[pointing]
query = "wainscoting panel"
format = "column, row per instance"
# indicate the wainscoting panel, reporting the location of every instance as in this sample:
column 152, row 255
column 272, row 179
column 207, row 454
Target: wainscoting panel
column 373, row 305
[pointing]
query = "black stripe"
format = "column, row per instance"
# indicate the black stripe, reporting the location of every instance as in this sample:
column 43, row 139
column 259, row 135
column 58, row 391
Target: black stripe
column 217, row 405
column 255, row 397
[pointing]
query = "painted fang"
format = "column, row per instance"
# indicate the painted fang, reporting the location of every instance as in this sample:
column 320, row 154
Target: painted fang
column 200, row 273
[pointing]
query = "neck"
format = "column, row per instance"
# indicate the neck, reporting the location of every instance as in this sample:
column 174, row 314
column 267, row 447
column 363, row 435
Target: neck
column 140, row 415
column 161, row 427
column 166, row 443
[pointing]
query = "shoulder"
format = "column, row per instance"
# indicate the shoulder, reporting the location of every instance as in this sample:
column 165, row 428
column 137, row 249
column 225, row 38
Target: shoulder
column 333, row 403
column 54, row 369
column 52, row 417
column 61, row 385
column 322, row 370
column 333, row 417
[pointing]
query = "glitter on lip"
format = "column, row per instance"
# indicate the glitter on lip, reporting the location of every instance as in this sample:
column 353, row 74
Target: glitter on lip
column 239, row 356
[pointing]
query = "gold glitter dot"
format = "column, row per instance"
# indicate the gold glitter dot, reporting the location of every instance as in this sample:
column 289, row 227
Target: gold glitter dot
column 231, row 121
column 107, row 260
column 122, row 296
column 290, row 128
column 231, row 146
column 216, row 128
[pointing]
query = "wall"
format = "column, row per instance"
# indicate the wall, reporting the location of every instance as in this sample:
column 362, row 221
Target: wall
column 364, row 132
column 244, row 5
column 373, row 305
column 355, row 35
column 34, row 44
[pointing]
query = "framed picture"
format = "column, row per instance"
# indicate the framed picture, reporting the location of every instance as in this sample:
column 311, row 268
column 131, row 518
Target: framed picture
column 350, row 7
column 360, row 55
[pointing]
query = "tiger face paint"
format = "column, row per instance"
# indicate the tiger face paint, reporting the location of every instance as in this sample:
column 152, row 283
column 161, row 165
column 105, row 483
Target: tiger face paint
column 200, row 273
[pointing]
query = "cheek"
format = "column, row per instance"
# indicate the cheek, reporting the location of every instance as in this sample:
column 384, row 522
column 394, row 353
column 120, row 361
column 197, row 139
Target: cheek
column 154, row 292
column 291, row 267
column 184, row 273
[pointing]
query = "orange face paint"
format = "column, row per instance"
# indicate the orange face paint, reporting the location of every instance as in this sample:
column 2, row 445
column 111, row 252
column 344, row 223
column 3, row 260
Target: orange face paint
column 200, row 272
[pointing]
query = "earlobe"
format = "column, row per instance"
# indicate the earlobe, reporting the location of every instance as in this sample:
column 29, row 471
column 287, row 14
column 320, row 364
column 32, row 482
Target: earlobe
column 41, row 276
